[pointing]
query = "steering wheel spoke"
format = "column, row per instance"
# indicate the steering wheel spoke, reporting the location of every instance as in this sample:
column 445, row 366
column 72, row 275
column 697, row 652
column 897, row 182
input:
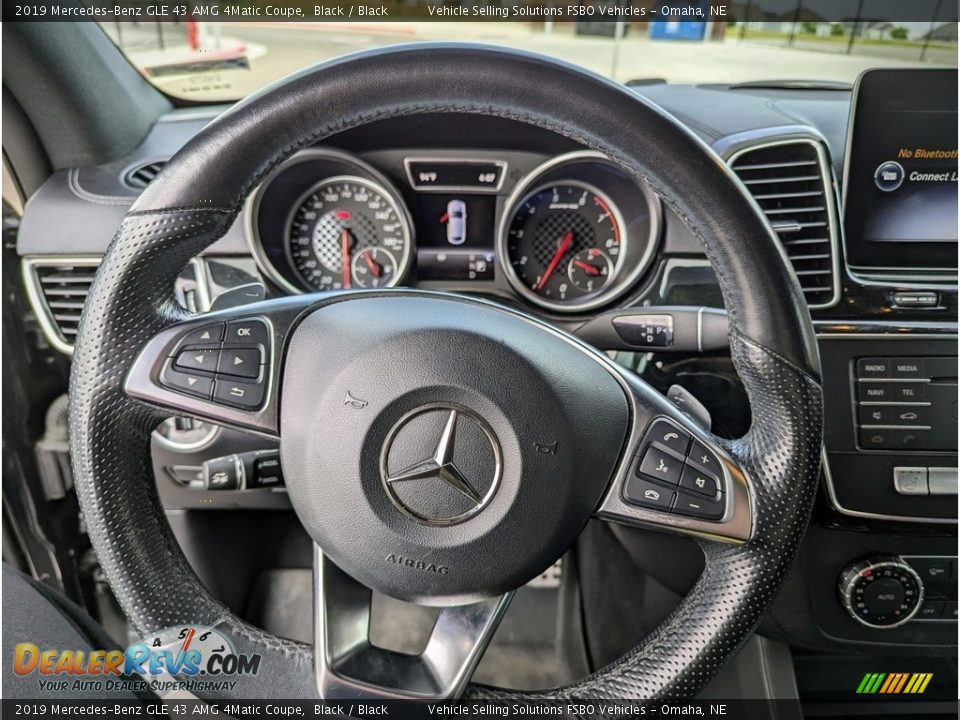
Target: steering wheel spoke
column 676, row 476
column 221, row 367
column 348, row 665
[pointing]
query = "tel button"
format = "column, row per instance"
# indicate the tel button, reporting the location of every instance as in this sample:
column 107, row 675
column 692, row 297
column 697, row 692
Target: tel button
column 669, row 435
column 641, row 492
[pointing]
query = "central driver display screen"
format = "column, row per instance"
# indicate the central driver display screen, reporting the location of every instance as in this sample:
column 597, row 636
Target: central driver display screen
column 900, row 197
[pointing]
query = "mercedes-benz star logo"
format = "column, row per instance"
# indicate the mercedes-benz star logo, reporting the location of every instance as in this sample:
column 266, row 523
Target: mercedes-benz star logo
column 455, row 480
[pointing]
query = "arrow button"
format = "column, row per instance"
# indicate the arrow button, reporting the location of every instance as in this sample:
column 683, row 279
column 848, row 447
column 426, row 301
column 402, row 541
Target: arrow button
column 198, row 359
column 240, row 362
column 187, row 382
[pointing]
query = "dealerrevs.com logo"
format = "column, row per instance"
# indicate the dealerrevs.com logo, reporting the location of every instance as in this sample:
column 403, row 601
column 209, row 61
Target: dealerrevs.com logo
column 185, row 658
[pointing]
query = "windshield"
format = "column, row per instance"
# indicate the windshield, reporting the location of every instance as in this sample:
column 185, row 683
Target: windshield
column 222, row 61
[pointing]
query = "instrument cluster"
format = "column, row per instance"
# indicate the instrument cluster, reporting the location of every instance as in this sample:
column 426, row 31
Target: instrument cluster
column 567, row 234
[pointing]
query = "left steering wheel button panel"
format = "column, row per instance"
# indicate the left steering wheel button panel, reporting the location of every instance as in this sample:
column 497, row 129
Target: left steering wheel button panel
column 225, row 362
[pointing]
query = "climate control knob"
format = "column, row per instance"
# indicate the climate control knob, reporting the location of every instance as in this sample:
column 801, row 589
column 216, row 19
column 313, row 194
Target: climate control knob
column 881, row 591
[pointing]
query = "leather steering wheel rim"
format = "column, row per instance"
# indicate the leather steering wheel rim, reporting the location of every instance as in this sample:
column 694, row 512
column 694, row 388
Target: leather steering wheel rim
column 199, row 194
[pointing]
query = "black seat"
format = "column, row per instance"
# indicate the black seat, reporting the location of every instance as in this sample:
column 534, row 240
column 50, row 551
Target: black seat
column 34, row 613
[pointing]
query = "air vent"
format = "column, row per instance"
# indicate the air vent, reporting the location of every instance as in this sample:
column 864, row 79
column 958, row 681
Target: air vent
column 790, row 182
column 58, row 288
column 141, row 176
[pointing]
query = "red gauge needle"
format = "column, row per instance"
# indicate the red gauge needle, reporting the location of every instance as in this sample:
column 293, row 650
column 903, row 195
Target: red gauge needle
column 555, row 260
column 587, row 267
column 345, row 250
column 374, row 268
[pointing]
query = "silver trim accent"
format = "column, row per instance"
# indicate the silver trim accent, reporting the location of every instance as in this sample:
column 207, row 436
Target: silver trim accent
column 894, row 427
column 892, row 380
column 205, row 440
column 845, row 594
column 502, row 164
column 341, row 637
column 31, row 281
column 829, row 196
column 615, row 288
column 48, row 325
column 920, row 282
column 251, row 207
column 835, row 504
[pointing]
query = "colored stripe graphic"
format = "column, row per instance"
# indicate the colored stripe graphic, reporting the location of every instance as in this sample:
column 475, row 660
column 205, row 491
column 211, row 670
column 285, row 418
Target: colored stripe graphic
column 894, row 683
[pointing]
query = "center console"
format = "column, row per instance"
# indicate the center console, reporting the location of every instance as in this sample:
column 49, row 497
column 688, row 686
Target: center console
column 880, row 564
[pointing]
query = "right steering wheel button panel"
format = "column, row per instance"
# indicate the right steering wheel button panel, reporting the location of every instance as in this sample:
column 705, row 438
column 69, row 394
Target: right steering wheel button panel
column 677, row 474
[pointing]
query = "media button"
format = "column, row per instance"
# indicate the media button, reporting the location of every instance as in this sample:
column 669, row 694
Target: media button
column 907, row 368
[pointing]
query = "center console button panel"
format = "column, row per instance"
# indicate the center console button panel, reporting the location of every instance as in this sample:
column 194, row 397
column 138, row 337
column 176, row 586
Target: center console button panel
column 902, row 403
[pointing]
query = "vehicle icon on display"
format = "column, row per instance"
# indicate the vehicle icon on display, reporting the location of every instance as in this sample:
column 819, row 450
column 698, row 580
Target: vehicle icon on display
column 455, row 218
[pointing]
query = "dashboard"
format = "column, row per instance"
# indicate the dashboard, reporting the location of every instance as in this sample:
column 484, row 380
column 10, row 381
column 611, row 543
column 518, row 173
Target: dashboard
column 567, row 234
column 490, row 207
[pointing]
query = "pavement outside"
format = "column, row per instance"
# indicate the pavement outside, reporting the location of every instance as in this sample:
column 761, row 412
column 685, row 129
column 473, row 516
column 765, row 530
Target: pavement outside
column 275, row 49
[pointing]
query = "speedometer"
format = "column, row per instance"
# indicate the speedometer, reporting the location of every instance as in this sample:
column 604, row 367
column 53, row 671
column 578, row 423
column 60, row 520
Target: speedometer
column 348, row 232
column 564, row 243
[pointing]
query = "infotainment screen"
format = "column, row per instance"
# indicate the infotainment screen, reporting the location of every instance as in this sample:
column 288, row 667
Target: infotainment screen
column 900, row 189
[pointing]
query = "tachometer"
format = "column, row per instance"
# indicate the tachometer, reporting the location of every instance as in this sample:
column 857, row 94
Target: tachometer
column 564, row 243
column 348, row 232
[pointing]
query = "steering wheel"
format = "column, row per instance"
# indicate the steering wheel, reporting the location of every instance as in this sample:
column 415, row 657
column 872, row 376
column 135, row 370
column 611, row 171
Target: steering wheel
column 440, row 449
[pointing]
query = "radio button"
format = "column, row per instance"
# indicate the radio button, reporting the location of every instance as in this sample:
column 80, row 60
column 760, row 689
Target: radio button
column 873, row 368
